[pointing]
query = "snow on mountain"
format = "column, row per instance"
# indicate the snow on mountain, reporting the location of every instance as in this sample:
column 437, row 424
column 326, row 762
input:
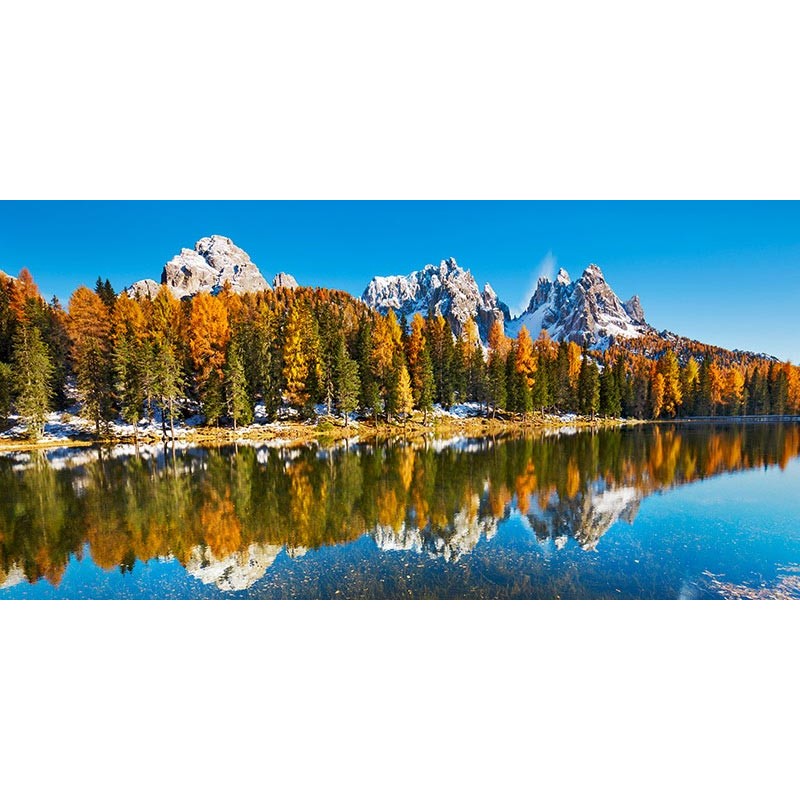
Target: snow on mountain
column 586, row 311
column 215, row 261
column 447, row 289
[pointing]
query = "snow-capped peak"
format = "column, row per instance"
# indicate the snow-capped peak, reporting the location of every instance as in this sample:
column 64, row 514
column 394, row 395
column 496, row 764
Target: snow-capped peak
column 446, row 289
column 585, row 311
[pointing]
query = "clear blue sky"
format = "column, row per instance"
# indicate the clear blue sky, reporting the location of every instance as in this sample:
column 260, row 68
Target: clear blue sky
column 727, row 273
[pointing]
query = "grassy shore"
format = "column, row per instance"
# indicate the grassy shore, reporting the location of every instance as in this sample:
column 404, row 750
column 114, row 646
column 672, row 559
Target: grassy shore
column 328, row 430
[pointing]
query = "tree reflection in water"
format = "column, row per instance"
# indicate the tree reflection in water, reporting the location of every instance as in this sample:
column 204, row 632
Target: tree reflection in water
column 226, row 514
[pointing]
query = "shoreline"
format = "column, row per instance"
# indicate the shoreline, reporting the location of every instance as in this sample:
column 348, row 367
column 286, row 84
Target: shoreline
column 328, row 430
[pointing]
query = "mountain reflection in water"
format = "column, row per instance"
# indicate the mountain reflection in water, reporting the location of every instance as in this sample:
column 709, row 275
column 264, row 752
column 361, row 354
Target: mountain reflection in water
column 226, row 514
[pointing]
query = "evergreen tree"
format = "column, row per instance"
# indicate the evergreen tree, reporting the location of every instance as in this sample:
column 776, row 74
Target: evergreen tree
column 348, row 385
column 610, row 401
column 704, row 406
column 167, row 381
column 240, row 408
column 5, row 393
column 106, row 293
column 588, row 387
column 32, row 369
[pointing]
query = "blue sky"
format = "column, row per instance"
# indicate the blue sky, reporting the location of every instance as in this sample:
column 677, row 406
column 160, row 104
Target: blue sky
column 727, row 273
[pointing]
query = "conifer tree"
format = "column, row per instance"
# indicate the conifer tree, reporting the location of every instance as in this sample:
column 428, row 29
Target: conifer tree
column 240, row 408
column 32, row 370
column 403, row 399
column 610, row 402
column 496, row 368
column 426, row 386
column 657, row 395
column 167, row 381
column 588, row 387
column 5, row 392
column 348, row 385
column 130, row 359
column 89, row 329
column 209, row 334
column 673, row 396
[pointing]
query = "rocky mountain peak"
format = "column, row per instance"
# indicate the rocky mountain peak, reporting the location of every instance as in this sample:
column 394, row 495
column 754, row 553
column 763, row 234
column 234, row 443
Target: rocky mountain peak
column 586, row 311
column 283, row 280
column 214, row 261
column 634, row 309
column 446, row 289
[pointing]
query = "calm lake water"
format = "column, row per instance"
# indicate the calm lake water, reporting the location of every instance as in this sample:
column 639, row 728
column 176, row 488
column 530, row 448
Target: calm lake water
column 651, row 512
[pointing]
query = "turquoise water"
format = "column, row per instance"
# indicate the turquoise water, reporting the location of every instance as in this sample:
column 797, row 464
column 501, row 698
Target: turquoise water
column 653, row 512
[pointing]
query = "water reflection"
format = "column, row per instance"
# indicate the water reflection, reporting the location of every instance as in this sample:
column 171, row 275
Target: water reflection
column 227, row 514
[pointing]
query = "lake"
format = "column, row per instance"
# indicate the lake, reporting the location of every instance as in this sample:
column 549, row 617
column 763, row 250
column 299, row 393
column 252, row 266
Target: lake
column 655, row 511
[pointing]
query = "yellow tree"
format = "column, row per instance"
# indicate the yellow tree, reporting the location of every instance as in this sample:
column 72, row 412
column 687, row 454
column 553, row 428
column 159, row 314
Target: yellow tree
column 734, row 388
column 574, row 359
column 89, row 330
column 300, row 347
column 657, row 395
column 525, row 361
column 209, row 334
column 405, row 400
column 673, row 395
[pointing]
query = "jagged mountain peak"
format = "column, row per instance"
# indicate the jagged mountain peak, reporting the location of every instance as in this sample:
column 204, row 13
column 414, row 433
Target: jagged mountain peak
column 447, row 289
column 214, row 262
column 586, row 311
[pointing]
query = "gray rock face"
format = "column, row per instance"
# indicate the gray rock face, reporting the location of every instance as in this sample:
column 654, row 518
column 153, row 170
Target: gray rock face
column 585, row 311
column 283, row 280
column 634, row 309
column 145, row 288
column 215, row 261
column 446, row 289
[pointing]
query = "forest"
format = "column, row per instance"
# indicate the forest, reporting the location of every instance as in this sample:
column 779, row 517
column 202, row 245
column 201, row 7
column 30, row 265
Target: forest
column 223, row 356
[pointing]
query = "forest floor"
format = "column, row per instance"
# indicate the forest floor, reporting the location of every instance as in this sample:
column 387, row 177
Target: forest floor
column 72, row 431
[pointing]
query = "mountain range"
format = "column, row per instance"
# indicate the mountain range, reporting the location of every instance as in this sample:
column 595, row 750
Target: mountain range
column 586, row 311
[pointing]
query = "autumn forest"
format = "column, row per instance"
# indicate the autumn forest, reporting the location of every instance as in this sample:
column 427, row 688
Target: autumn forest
column 223, row 356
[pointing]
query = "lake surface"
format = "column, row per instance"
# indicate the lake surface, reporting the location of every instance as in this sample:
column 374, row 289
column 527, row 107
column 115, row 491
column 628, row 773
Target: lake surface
column 661, row 511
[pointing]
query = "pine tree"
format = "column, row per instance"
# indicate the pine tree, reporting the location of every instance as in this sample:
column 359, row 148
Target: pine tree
column 5, row 393
column 610, row 402
column 131, row 359
column 496, row 391
column 32, row 369
column 588, row 387
column 348, row 385
column 426, row 384
column 167, row 381
column 239, row 406
column 562, row 389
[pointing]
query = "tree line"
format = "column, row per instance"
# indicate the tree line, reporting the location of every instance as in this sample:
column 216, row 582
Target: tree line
column 226, row 355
